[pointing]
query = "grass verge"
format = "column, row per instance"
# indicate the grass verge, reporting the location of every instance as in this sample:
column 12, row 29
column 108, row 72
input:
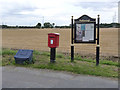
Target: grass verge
column 63, row 63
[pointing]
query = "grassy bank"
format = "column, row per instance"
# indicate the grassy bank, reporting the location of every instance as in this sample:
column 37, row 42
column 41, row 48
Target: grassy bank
column 63, row 63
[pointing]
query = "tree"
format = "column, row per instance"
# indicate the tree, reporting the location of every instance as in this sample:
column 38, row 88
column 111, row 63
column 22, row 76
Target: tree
column 4, row 26
column 47, row 25
column 38, row 25
column 53, row 24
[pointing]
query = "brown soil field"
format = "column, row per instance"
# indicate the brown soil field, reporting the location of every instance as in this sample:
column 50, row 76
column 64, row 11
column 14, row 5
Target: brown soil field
column 37, row 39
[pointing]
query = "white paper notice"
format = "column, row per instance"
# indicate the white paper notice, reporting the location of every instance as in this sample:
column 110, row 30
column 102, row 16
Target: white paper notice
column 85, row 32
column 51, row 41
column 89, row 32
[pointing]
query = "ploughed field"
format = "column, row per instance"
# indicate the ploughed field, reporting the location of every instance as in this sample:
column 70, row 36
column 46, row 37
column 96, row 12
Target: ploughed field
column 37, row 39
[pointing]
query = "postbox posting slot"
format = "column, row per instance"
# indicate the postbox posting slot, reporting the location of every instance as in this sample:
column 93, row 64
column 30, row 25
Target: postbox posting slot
column 52, row 37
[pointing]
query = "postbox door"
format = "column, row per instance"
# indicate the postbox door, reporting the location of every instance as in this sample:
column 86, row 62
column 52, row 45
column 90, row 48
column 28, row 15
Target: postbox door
column 52, row 41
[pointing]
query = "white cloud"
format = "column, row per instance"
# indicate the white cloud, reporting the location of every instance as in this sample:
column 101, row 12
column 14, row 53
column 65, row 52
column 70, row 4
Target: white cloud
column 29, row 12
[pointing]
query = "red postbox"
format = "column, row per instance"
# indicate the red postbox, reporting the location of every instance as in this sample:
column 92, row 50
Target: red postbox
column 53, row 43
column 53, row 40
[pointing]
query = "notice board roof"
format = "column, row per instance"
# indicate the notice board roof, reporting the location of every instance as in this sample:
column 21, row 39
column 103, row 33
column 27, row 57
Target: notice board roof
column 85, row 18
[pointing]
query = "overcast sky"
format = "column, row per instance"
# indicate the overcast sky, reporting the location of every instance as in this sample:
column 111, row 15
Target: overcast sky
column 30, row 12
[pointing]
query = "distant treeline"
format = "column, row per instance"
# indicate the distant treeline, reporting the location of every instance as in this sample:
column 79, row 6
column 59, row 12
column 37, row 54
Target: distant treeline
column 114, row 25
column 48, row 25
column 6, row 26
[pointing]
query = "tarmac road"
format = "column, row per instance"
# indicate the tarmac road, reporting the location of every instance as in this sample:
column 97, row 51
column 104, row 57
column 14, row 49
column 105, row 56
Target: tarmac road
column 19, row 77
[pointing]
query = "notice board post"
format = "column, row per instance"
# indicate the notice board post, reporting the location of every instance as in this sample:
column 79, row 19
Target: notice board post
column 72, row 46
column 98, row 46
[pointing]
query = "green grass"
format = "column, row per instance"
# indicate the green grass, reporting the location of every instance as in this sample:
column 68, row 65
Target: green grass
column 8, row 52
column 63, row 63
column 106, row 62
column 60, row 56
column 0, row 52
